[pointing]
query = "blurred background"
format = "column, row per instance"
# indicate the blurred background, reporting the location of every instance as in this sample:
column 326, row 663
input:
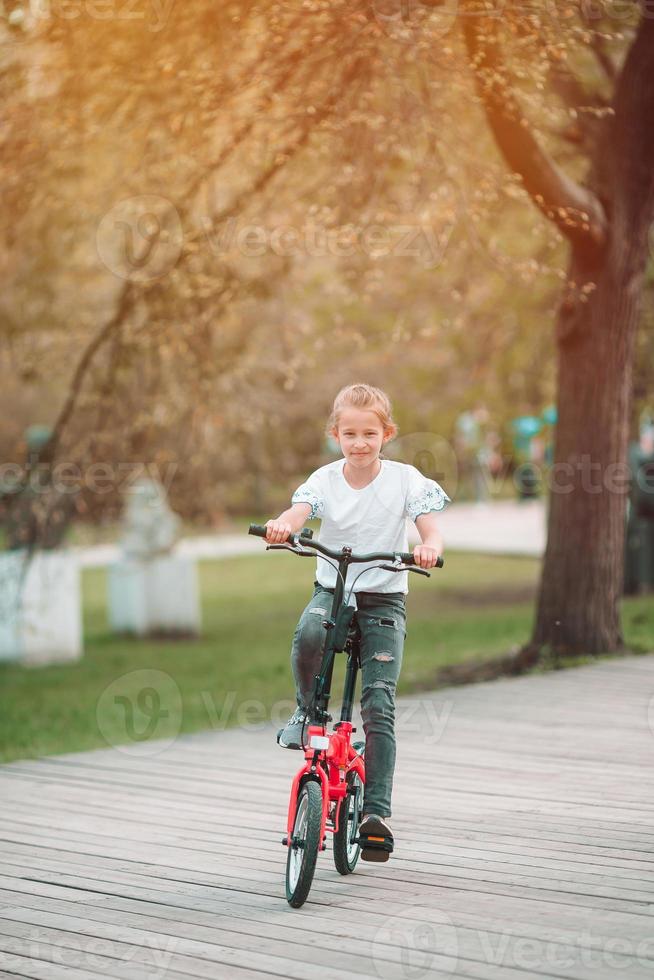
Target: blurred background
column 216, row 215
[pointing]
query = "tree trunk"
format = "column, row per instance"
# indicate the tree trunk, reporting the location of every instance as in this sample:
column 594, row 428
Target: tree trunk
column 582, row 577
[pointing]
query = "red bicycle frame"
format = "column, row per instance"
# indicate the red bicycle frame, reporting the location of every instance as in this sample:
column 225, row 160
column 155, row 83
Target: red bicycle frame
column 339, row 758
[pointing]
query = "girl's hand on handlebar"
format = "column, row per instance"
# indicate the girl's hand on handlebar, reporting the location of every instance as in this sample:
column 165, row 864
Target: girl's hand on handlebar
column 278, row 531
column 424, row 556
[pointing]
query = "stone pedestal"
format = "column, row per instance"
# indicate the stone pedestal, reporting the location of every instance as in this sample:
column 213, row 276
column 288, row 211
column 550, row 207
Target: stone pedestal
column 40, row 607
column 154, row 596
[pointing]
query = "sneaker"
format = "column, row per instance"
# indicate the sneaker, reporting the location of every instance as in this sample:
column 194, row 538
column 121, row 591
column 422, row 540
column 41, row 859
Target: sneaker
column 376, row 837
column 294, row 732
column 374, row 825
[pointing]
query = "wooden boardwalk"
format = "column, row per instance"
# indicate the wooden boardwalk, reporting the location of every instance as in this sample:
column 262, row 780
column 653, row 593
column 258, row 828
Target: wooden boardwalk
column 523, row 813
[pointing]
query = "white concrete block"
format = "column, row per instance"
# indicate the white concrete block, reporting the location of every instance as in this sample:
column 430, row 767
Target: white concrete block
column 154, row 595
column 40, row 607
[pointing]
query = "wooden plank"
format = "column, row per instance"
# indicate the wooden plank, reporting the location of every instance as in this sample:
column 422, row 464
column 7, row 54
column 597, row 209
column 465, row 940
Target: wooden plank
column 173, row 941
column 88, row 850
column 240, row 872
column 170, row 921
column 531, row 831
column 488, row 938
column 443, row 825
column 190, row 955
column 469, row 907
column 61, row 952
column 498, row 796
column 279, row 925
column 225, row 838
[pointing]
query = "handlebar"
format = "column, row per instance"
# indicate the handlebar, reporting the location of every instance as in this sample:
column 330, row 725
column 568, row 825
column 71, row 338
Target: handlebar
column 305, row 539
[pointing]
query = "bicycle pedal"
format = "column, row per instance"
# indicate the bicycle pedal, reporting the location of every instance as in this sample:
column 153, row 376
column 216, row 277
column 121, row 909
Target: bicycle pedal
column 375, row 854
column 375, row 848
column 382, row 842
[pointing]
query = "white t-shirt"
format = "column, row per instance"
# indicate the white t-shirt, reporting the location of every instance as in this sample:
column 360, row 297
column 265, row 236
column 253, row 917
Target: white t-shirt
column 371, row 519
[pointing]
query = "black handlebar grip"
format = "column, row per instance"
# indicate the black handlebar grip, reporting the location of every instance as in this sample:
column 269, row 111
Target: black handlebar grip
column 258, row 530
column 407, row 558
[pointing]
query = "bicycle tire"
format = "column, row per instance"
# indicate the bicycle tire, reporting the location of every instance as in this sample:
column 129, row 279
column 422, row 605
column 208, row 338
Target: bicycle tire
column 346, row 854
column 302, row 856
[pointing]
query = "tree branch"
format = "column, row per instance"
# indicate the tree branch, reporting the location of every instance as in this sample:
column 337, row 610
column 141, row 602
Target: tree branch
column 589, row 109
column 573, row 208
column 125, row 303
column 599, row 50
column 127, row 296
column 291, row 148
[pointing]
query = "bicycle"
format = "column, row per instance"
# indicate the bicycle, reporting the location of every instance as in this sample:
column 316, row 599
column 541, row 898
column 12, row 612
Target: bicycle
column 327, row 791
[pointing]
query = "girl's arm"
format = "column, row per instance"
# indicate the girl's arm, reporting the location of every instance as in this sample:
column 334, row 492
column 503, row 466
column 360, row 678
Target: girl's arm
column 289, row 522
column 425, row 554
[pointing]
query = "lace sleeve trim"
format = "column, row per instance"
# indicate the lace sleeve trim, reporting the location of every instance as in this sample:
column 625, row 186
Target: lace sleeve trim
column 432, row 498
column 305, row 496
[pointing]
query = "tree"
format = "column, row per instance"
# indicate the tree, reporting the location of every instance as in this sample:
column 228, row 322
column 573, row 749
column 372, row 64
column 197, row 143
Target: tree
column 327, row 107
column 606, row 219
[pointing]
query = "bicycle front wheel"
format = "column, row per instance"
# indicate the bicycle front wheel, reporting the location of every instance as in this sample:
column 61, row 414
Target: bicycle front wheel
column 305, row 841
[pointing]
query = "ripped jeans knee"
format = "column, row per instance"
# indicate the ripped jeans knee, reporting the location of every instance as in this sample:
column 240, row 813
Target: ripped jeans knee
column 307, row 647
column 378, row 708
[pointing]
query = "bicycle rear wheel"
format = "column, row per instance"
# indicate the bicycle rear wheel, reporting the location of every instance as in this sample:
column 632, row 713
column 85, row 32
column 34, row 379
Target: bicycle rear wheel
column 305, row 841
column 346, row 852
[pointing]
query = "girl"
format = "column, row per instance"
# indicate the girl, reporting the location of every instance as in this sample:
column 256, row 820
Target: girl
column 363, row 501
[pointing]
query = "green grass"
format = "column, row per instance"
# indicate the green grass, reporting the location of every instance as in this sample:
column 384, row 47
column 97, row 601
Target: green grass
column 478, row 607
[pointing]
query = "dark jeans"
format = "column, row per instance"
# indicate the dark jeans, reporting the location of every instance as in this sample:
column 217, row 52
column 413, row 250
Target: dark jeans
column 382, row 622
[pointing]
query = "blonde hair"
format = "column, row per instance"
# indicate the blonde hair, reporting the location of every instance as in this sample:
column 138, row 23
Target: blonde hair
column 363, row 396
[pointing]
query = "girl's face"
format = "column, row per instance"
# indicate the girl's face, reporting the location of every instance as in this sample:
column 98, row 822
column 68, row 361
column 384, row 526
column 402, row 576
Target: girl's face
column 360, row 435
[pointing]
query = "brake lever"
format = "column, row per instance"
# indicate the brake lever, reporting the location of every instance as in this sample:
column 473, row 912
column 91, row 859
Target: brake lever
column 418, row 571
column 406, row 568
column 288, row 547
